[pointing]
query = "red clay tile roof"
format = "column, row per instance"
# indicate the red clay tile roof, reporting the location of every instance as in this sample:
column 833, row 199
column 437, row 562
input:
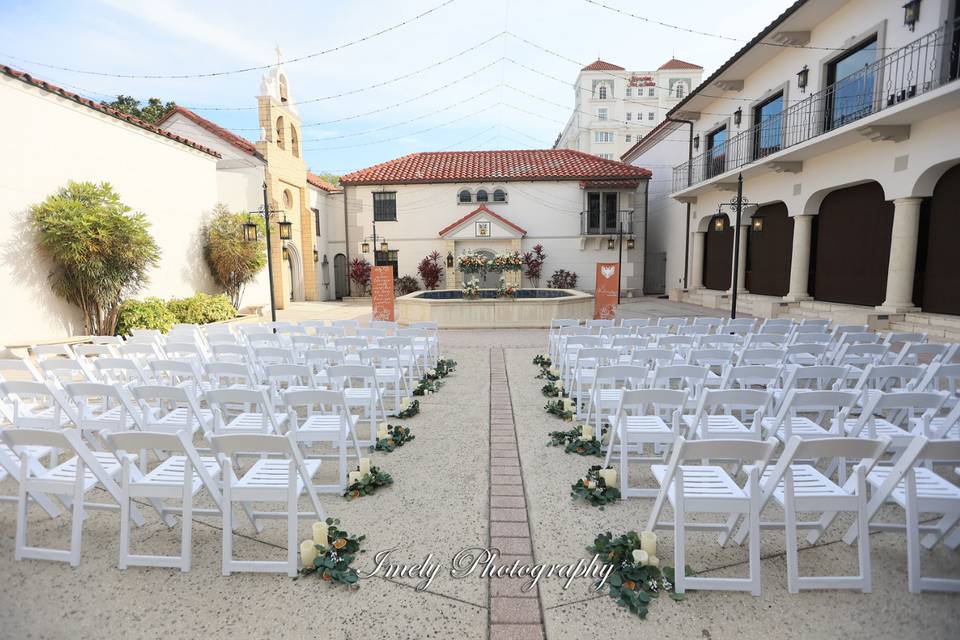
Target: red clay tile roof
column 230, row 138
column 493, row 166
column 609, row 184
column 96, row 106
column 482, row 209
column 600, row 65
column 673, row 63
column 320, row 183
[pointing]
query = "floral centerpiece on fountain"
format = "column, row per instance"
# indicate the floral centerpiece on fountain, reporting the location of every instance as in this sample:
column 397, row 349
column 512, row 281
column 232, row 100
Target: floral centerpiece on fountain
column 506, row 289
column 473, row 262
column 508, row 262
column 471, row 289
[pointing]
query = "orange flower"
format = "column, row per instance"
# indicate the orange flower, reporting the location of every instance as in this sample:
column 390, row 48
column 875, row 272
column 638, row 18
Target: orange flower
column 355, row 493
column 630, row 584
column 340, row 543
column 326, row 576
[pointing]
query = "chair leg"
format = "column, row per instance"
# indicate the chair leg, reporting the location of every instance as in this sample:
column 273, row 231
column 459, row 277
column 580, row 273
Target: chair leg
column 125, row 518
column 624, row 465
column 292, row 522
column 227, row 557
column 76, row 528
column 20, row 539
column 790, row 530
column 754, row 549
column 679, row 580
column 913, row 534
column 930, row 540
column 186, row 525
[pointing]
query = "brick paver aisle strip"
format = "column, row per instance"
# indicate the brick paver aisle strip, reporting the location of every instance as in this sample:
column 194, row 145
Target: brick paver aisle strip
column 514, row 614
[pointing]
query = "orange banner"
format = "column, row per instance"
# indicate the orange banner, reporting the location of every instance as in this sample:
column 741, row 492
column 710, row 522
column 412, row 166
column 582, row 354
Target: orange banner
column 381, row 290
column 605, row 294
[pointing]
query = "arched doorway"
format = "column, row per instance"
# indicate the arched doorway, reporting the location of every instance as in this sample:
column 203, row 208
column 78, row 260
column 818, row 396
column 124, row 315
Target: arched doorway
column 853, row 245
column 491, row 279
column 769, row 249
column 941, row 275
column 293, row 273
column 341, row 285
column 718, row 253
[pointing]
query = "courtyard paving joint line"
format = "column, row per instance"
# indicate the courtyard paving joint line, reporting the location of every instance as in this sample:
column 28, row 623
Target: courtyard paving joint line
column 513, row 614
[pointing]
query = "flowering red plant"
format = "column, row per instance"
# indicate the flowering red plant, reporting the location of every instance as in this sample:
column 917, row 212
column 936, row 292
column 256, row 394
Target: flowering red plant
column 430, row 270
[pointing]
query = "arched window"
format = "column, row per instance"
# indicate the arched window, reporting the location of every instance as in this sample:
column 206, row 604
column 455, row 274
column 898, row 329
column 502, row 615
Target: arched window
column 294, row 141
column 287, row 199
column 283, row 88
column 679, row 90
column 482, row 195
column 603, row 92
column 464, row 196
column 279, row 133
column 499, row 195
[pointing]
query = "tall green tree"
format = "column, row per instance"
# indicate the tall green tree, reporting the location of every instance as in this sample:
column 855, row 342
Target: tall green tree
column 233, row 261
column 150, row 112
column 100, row 250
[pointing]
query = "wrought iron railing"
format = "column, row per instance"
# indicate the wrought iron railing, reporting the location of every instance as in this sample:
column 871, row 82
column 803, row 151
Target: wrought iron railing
column 598, row 223
column 925, row 64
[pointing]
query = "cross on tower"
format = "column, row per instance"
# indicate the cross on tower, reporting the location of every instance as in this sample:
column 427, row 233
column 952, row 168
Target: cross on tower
column 279, row 54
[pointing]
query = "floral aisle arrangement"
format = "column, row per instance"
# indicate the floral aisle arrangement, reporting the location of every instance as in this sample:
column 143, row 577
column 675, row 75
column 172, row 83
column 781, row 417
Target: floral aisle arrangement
column 542, row 361
column 427, row 386
column 552, row 389
column 506, row 289
column 391, row 436
column 598, row 487
column 471, row 289
column 507, row 262
column 445, row 366
column 637, row 577
column 366, row 479
column 549, row 373
column 580, row 440
column 408, row 409
column 563, row 408
column 330, row 553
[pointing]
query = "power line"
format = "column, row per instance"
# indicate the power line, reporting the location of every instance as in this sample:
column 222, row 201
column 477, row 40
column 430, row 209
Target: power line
column 182, row 76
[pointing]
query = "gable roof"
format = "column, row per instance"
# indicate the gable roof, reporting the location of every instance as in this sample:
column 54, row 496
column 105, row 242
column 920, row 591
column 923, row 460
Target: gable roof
column 227, row 136
column 320, row 183
column 601, row 65
column 673, row 63
column 24, row 77
column 482, row 209
column 493, row 166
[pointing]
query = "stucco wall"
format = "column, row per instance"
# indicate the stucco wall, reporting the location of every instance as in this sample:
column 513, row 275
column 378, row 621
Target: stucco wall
column 51, row 140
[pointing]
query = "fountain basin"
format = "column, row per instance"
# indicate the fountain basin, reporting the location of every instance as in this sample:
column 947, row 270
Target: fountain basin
column 530, row 309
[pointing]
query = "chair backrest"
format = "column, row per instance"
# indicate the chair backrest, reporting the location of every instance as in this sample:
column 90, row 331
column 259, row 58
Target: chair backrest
column 720, row 340
column 917, row 353
column 345, row 375
column 320, row 359
column 766, row 340
column 861, row 354
column 818, row 377
column 61, row 371
column 627, row 344
column 31, row 404
column 371, row 333
column 93, row 351
column 651, row 332
column 152, row 399
column 597, row 324
column 174, row 372
column 895, row 337
column 19, row 369
column 822, row 407
column 229, row 374
column 750, row 404
column 759, row 356
column 715, row 358
column 694, row 330
column 751, row 377
column 93, row 399
column 671, row 323
column 890, row 377
column 899, row 407
column 330, row 332
column 680, row 376
column 942, row 377
column 806, row 328
column 282, row 376
column 48, row 351
column 593, row 357
column 798, row 351
column 381, row 356
column 230, row 352
column 652, row 358
column 653, row 401
column 313, row 324
column 263, row 339
column 388, row 325
column 634, row 323
column 776, row 329
column 274, row 355
column 621, row 375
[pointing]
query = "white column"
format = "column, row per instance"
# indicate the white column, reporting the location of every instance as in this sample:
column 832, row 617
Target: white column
column 742, row 259
column 695, row 277
column 903, row 255
column 800, row 259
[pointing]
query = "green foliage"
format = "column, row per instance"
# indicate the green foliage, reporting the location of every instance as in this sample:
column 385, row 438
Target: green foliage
column 405, row 285
column 151, row 313
column 542, row 360
column 233, row 260
column 332, row 178
column 556, row 408
column 410, row 410
column 631, row 585
column 150, row 112
column 100, row 249
column 445, row 366
column 594, row 489
column 333, row 559
column 397, row 436
column 428, row 385
column 552, row 389
column 369, row 483
column 202, row 308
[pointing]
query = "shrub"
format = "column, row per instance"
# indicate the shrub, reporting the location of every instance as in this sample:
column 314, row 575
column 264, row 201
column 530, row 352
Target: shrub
column 202, row 308
column 100, row 248
column 533, row 264
column 360, row 274
column 431, row 270
column 151, row 313
column 563, row 279
column 233, row 261
column 405, row 285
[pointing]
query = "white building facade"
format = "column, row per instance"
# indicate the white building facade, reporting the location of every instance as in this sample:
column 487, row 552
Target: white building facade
column 580, row 208
column 843, row 117
column 614, row 108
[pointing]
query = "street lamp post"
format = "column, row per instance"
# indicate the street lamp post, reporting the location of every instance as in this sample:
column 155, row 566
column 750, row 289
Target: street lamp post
column 250, row 234
column 737, row 203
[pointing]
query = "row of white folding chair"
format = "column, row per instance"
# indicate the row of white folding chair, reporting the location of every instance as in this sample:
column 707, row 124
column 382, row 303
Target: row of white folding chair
column 181, row 475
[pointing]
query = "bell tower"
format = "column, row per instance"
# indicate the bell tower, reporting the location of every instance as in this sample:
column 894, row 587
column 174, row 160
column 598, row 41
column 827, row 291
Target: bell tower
column 294, row 271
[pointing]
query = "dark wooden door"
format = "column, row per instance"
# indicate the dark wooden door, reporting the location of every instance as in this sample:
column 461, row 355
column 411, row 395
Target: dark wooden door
column 853, row 245
column 941, row 274
column 769, row 251
column 718, row 256
column 341, row 285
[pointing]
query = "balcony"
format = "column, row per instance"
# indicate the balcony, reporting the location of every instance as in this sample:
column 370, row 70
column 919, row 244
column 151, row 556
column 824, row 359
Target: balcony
column 595, row 223
column 920, row 67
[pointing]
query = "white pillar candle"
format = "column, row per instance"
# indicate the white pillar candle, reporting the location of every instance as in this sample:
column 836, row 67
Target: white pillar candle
column 354, row 477
column 609, row 477
column 588, row 483
column 648, row 542
column 308, row 553
column 382, row 432
column 586, row 432
column 320, row 532
column 567, row 404
column 640, row 557
column 404, row 403
column 364, row 466
column 653, row 561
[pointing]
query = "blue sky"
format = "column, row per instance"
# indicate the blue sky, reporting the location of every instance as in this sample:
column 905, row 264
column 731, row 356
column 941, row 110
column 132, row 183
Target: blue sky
column 482, row 99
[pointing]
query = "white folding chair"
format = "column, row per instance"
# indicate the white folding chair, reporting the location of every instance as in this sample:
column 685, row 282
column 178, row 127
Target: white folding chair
column 270, row 479
column 326, row 419
column 392, row 376
column 10, row 468
column 244, row 411
column 362, row 392
column 167, row 409
column 603, row 396
column 125, row 372
column 19, row 369
column 810, row 414
column 36, row 405
column 704, row 488
column 729, row 414
column 687, row 377
column 73, row 479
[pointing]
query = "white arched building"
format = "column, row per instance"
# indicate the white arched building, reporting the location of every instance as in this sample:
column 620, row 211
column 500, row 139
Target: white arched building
column 843, row 117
